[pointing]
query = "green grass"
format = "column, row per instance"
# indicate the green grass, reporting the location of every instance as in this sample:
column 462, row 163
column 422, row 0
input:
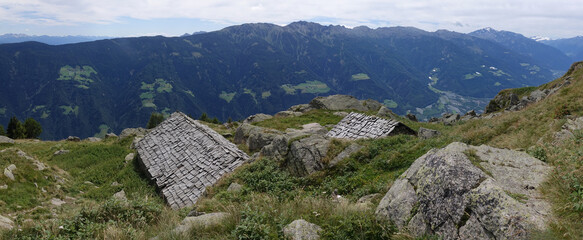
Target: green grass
column 67, row 110
column 390, row 103
column 228, row 97
column 359, row 77
column 81, row 75
column 306, row 87
column 265, row 94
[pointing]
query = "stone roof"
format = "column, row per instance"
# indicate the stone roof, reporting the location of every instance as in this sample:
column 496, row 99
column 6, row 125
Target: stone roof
column 357, row 126
column 183, row 157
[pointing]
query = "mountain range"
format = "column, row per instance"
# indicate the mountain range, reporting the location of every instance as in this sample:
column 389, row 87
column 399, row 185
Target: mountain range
column 91, row 88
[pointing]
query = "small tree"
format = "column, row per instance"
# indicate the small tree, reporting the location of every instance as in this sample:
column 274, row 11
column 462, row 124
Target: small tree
column 155, row 119
column 15, row 130
column 2, row 132
column 32, row 128
column 204, row 117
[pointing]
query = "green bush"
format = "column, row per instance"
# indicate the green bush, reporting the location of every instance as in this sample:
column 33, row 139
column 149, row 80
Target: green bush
column 265, row 176
column 254, row 226
column 32, row 128
column 15, row 130
column 2, row 131
column 538, row 152
column 155, row 119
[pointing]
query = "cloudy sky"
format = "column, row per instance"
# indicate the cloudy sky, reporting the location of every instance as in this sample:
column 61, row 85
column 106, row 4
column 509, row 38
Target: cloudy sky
column 119, row 18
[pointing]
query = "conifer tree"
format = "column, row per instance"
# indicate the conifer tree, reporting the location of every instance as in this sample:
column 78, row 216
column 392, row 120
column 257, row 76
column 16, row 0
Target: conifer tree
column 32, row 128
column 155, row 119
column 15, row 130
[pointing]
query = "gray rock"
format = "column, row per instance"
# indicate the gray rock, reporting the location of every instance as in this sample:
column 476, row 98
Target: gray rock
column 235, row 187
column 134, row 144
column 3, row 187
column 129, row 157
column 120, row 196
column 94, row 139
column 205, row 221
column 451, row 119
column 278, row 148
column 284, row 114
column 444, row 193
column 115, row 184
column 8, row 171
column 411, row 117
column 352, row 148
column 340, row 114
column 6, row 223
column 357, row 126
column 257, row 118
column 305, row 155
column 39, row 165
column 111, row 136
column 57, row 202
column 4, row 139
column 258, row 139
column 385, row 112
column 61, row 152
column 425, row 133
column 183, row 157
column 367, row 198
column 302, row 230
column 132, row 132
column 300, row 108
column 73, row 139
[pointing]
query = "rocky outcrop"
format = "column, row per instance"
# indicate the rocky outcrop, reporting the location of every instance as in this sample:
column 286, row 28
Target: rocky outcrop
column 255, row 137
column 73, row 139
column 511, row 101
column 385, row 112
column 344, row 102
column 183, row 157
column 4, row 139
column 352, row 148
column 425, row 133
column 462, row 192
column 411, row 117
column 305, row 155
column 133, row 132
column 567, row 130
column 6, row 223
column 257, row 118
column 302, row 230
column 8, row 171
column 357, row 126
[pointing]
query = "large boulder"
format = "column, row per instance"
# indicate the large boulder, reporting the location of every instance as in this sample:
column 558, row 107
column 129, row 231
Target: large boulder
column 4, row 139
column 305, row 155
column 462, row 192
column 255, row 137
column 425, row 133
column 6, row 223
column 257, row 118
column 344, row 102
column 302, row 230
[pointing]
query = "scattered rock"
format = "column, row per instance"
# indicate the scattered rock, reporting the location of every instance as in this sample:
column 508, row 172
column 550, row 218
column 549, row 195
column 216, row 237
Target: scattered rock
column 425, row 133
column 352, row 148
column 450, row 119
column 61, row 152
column 302, row 230
column 129, row 157
column 205, row 220
column 235, row 187
column 4, row 139
column 111, row 135
column 94, row 139
column 444, row 193
column 340, row 114
column 411, row 117
column 367, row 198
column 257, row 118
column 4, row 187
column 120, row 196
column 132, row 132
column 115, row 184
column 8, row 171
column 73, row 139
column 567, row 130
column 305, row 155
column 357, row 126
column 344, row 102
column 39, row 165
column 57, row 202
column 6, row 223
column 284, row 114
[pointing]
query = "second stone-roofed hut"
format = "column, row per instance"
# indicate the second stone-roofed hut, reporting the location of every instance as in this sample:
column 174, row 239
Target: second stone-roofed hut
column 183, row 157
column 357, row 126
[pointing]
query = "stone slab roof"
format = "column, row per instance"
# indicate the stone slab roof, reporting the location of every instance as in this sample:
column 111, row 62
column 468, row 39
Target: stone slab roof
column 183, row 157
column 357, row 126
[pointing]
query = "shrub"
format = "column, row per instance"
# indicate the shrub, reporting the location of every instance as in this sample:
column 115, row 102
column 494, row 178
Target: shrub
column 538, row 152
column 562, row 111
column 32, row 128
column 2, row 132
column 155, row 119
column 254, row 225
column 15, row 130
column 265, row 176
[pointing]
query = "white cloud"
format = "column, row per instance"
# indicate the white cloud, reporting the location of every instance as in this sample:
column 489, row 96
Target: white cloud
column 558, row 18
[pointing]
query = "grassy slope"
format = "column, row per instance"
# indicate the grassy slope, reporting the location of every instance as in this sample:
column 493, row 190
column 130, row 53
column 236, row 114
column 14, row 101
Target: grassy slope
column 271, row 198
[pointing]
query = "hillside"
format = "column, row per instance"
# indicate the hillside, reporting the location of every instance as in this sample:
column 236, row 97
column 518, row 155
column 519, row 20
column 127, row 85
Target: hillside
column 104, row 86
column 270, row 196
column 572, row 47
